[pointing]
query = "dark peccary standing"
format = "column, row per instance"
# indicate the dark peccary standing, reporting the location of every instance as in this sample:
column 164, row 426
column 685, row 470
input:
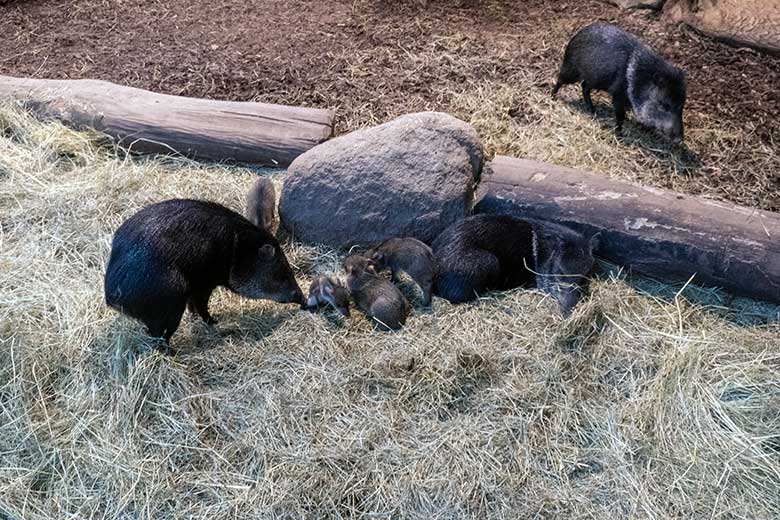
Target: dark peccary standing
column 173, row 254
column 261, row 205
column 486, row 252
column 605, row 57
column 327, row 291
column 374, row 295
column 410, row 256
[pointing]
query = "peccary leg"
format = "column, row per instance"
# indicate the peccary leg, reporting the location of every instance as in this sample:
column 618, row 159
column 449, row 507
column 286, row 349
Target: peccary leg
column 620, row 114
column 199, row 304
column 565, row 77
column 427, row 289
column 586, row 96
column 164, row 324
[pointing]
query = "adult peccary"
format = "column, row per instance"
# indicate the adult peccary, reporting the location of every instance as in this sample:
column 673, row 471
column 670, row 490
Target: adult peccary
column 327, row 291
column 261, row 205
column 173, row 254
column 408, row 255
column 605, row 57
column 374, row 295
column 485, row 252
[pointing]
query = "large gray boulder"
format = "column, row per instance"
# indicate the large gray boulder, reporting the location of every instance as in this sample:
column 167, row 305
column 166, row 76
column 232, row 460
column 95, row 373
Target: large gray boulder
column 411, row 177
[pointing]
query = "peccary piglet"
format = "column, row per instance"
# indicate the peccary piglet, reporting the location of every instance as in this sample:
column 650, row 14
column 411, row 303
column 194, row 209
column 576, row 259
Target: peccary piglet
column 173, row 254
column 485, row 252
column 605, row 57
column 327, row 291
column 374, row 295
column 408, row 255
column 261, row 205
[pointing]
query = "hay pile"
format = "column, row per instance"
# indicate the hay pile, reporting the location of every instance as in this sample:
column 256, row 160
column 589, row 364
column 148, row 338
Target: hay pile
column 641, row 405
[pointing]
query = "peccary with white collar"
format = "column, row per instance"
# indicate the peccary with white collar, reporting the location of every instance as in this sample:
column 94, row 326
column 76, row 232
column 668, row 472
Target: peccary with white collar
column 604, row 57
column 485, row 252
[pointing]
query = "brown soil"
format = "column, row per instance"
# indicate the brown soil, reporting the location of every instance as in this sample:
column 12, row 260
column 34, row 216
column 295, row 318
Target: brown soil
column 373, row 60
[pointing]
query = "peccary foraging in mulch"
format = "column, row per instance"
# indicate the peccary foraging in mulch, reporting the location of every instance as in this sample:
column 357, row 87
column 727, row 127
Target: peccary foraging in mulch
column 173, row 254
column 605, row 57
column 486, row 252
column 408, row 255
column 261, row 205
column 327, row 291
column 374, row 295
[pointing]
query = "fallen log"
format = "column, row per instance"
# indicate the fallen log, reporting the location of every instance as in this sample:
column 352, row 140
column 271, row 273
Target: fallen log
column 143, row 121
column 655, row 232
column 751, row 23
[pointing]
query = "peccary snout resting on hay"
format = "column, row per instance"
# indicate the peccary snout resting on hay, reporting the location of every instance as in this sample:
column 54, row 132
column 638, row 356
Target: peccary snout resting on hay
column 376, row 296
column 605, row 57
column 173, row 254
column 327, row 291
column 408, row 255
column 261, row 205
column 485, row 252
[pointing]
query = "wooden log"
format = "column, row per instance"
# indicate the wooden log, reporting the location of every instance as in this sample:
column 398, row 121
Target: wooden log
column 655, row 232
column 143, row 121
column 751, row 23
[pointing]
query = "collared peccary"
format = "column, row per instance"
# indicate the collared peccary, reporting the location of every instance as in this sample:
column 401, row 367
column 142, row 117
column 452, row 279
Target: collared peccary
column 261, row 205
column 374, row 295
column 408, row 255
column 605, row 57
column 485, row 252
column 327, row 291
column 173, row 254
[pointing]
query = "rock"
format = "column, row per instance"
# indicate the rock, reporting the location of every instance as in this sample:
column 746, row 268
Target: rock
column 751, row 23
column 410, row 177
column 638, row 4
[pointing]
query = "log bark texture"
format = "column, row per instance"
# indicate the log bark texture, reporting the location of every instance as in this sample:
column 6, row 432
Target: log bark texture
column 271, row 135
column 655, row 232
column 751, row 23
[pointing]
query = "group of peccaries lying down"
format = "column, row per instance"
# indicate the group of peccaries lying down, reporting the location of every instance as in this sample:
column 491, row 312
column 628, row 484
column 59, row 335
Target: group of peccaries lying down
column 172, row 255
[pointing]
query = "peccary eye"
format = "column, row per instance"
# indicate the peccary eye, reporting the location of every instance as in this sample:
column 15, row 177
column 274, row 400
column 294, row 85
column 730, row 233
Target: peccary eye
column 267, row 251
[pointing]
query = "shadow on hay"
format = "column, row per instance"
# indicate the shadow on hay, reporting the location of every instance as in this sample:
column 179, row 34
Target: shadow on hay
column 740, row 311
column 638, row 136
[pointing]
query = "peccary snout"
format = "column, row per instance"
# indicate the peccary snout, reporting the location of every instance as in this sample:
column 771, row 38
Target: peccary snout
column 660, row 107
column 264, row 273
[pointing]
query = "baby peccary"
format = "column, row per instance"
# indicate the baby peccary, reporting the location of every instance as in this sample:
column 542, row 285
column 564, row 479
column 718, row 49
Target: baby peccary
column 605, row 57
column 485, row 252
column 408, row 255
column 376, row 296
column 173, row 254
column 327, row 291
column 261, row 205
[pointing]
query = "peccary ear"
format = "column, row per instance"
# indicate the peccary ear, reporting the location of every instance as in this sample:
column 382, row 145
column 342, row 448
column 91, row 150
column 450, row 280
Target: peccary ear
column 595, row 242
column 267, row 251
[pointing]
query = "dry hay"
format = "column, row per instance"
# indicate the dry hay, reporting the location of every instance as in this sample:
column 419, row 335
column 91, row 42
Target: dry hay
column 641, row 405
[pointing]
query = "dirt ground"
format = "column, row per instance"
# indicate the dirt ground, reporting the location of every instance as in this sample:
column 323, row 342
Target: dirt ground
column 374, row 60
